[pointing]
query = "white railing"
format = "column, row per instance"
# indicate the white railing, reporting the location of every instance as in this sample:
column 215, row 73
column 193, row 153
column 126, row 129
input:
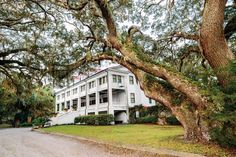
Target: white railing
column 65, row 118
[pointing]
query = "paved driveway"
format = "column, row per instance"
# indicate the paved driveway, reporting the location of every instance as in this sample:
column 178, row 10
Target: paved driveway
column 25, row 143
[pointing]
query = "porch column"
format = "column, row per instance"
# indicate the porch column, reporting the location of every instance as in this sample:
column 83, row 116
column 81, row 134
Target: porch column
column 56, row 107
column 97, row 102
column 78, row 104
column 87, row 103
column 110, row 105
column 87, row 98
column 60, row 106
column 71, row 104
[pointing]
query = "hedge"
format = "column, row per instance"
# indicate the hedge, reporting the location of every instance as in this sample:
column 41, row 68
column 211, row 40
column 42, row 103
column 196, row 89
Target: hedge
column 103, row 119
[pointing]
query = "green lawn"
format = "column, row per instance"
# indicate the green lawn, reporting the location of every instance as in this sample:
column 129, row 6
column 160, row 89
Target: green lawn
column 5, row 126
column 170, row 137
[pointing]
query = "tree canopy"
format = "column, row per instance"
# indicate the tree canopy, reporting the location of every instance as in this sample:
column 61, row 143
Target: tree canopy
column 26, row 101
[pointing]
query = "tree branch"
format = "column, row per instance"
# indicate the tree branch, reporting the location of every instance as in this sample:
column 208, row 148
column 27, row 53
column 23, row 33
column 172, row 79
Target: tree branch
column 131, row 31
column 185, row 36
column 107, row 15
column 79, row 7
column 6, row 62
column 189, row 50
column 8, row 52
column 230, row 28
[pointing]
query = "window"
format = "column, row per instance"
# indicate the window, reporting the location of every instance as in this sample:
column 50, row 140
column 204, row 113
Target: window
column 150, row 101
column 68, row 93
column 83, row 104
column 102, row 112
column 58, row 107
column 92, row 99
column 74, row 104
column 131, row 80
column 132, row 97
column 82, row 88
column 74, row 91
column 103, row 98
column 91, row 113
column 102, row 80
column 119, row 79
column 58, row 97
column 116, row 78
column 83, row 101
column 68, row 104
column 91, row 84
column 63, row 95
column 92, row 102
column 62, row 106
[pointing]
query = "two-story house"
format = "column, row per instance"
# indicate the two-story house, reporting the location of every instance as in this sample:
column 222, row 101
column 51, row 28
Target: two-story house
column 112, row 90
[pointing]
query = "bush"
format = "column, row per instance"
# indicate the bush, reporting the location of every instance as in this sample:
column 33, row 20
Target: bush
column 91, row 120
column 224, row 129
column 25, row 124
column 172, row 120
column 223, row 122
column 145, row 112
column 147, row 119
column 103, row 119
column 225, row 136
column 40, row 121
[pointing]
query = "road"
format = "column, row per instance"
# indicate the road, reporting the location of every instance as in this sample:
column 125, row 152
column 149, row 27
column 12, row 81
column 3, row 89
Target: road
column 21, row 142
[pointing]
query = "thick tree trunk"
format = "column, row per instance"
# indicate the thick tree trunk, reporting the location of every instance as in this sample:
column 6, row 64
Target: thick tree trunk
column 212, row 39
column 195, row 128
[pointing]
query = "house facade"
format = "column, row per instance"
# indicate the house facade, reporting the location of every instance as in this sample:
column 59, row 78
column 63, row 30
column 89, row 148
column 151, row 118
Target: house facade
column 109, row 91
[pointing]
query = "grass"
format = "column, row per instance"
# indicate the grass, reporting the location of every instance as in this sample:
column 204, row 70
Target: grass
column 2, row 126
column 154, row 136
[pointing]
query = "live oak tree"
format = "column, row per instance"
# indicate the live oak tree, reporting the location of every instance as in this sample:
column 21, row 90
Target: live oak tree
column 180, row 51
column 17, row 102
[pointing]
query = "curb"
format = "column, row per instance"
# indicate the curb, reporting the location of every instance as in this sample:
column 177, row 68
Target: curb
column 151, row 151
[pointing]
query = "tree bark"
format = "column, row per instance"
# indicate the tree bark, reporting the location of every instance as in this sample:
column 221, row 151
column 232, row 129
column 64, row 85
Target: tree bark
column 195, row 127
column 212, row 39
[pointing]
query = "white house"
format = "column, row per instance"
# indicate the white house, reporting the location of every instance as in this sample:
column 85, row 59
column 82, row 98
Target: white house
column 112, row 90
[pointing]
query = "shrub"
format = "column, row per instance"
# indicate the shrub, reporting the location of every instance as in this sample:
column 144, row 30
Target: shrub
column 77, row 120
column 224, row 129
column 40, row 121
column 223, row 122
column 103, row 119
column 147, row 119
column 145, row 112
column 25, row 124
column 91, row 120
column 225, row 136
column 172, row 120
